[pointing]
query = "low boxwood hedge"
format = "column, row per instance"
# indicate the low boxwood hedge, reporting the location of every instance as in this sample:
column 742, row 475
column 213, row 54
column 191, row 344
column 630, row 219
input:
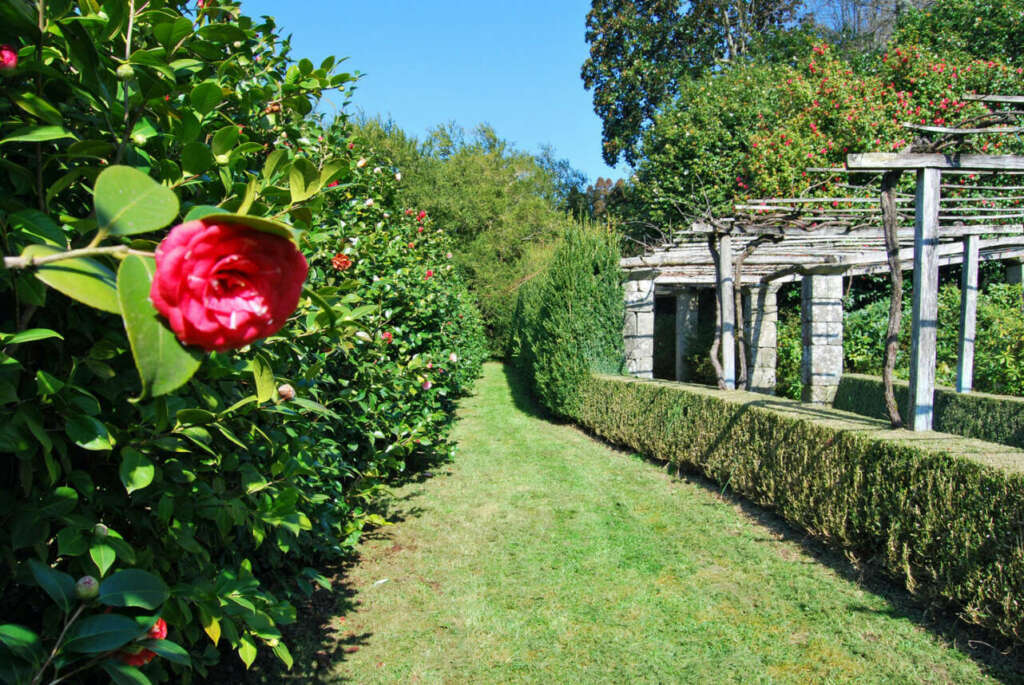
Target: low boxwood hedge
column 942, row 512
column 995, row 418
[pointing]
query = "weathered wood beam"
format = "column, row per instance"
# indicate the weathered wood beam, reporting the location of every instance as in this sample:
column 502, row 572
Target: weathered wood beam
column 1010, row 99
column 911, row 160
column 924, row 322
column 964, row 131
column 968, row 315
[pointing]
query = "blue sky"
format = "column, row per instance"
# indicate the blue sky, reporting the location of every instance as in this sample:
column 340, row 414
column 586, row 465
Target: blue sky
column 514, row 65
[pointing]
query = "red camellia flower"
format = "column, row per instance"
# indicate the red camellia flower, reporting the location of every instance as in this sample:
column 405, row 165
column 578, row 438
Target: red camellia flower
column 8, row 58
column 421, row 216
column 332, row 184
column 222, row 285
column 159, row 630
column 385, row 336
column 430, row 272
column 341, row 261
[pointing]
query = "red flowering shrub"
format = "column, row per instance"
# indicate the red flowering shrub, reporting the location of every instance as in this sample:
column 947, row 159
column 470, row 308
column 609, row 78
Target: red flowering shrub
column 222, row 285
column 8, row 58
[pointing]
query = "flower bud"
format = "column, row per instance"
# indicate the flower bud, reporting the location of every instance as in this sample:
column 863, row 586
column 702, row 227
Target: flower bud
column 100, row 530
column 286, row 392
column 125, row 72
column 8, row 58
column 87, row 587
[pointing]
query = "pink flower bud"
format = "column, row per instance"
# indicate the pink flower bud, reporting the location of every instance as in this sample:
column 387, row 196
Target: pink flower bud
column 427, row 385
column 286, row 392
column 8, row 58
column 87, row 587
column 453, row 357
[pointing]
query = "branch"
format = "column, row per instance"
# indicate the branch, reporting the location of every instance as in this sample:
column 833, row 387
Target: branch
column 118, row 251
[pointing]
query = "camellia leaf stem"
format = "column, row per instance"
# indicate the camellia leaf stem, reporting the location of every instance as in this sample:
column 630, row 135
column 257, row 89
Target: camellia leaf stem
column 118, row 251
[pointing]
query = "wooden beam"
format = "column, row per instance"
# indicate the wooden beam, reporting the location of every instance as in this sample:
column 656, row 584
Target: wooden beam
column 727, row 304
column 926, row 293
column 1009, row 99
column 963, row 131
column 910, row 160
column 968, row 315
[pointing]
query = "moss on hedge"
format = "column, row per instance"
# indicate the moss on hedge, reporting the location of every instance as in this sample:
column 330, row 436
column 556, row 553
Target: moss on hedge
column 996, row 418
column 944, row 513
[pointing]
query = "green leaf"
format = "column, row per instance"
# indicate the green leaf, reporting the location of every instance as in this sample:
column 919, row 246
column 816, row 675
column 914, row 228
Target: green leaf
column 82, row 279
column 163, row 363
column 205, row 96
column 252, row 480
column 38, row 134
column 133, row 588
column 276, row 161
column 101, row 633
column 224, row 139
column 22, row 641
column 281, row 650
column 169, row 650
column 58, row 585
column 40, row 226
column 123, row 674
column 303, row 179
column 37, row 107
column 30, row 335
column 203, row 211
column 136, row 470
column 221, row 33
column 260, row 224
column 61, row 502
column 129, row 202
column 88, row 433
column 263, row 374
column 196, row 157
column 246, row 651
column 170, row 33
column 103, row 556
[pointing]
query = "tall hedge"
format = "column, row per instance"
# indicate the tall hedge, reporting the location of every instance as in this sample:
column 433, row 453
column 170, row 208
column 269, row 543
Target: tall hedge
column 568, row 320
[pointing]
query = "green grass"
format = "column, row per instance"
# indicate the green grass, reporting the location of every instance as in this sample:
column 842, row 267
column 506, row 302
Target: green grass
column 541, row 555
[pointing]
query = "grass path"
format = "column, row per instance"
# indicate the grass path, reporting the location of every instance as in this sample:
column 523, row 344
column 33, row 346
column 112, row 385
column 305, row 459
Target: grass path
column 541, row 555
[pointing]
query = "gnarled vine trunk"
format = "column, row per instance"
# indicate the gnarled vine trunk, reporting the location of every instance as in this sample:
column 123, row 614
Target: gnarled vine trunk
column 890, row 224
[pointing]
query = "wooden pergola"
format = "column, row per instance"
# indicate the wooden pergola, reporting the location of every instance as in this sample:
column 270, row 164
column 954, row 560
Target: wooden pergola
column 818, row 240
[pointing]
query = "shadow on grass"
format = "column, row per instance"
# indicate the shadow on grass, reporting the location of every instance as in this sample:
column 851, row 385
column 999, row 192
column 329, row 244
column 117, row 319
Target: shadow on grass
column 522, row 396
column 996, row 654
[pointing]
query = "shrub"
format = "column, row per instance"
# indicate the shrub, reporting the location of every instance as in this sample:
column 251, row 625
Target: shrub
column 569, row 319
column 946, row 522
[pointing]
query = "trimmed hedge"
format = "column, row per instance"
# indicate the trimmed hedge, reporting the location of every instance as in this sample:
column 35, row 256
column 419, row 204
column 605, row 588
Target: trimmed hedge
column 995, row 418
column 941, row 512
column 568, row 320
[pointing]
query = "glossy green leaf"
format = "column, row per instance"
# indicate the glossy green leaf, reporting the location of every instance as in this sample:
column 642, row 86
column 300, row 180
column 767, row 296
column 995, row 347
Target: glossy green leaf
column 103, row 556
column 123, row 674
column 37, row 225
column 58, row 585
column 276, row 161
column 133, row 588
column 163, row 363
column 303, row 179
column 196, row 157
column 30, row 335
column 129, row 202
column 22, row 641
column 136, row 470
column 263, row 375
column 224, row 139
column 170, row 33
column 88, row 433
column 38, row 134
column 202, row 211
column 82, row 279
column 205, row 96
column 101, row 633
column 221, row 33
column 246, row 651
column 169, row 650
column 282, row 653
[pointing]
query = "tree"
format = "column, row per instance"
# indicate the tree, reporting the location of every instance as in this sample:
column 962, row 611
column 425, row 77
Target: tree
column 641, row 51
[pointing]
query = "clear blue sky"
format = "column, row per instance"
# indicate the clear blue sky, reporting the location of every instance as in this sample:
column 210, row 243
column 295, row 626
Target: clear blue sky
column 514, row 65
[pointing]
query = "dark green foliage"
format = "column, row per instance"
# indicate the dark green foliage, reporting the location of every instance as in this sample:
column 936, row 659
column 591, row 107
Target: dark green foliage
column 568, row 320
column 975, row 415
column 980, row 28
column 948, row 523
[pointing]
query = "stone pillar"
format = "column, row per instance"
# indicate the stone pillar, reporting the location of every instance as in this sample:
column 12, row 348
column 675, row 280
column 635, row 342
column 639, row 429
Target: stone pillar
column 760, row 315
column 686, row 328
column 638, row 331
column 821, row 319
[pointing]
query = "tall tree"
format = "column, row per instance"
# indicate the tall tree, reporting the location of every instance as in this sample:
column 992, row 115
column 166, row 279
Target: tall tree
column 641, row 50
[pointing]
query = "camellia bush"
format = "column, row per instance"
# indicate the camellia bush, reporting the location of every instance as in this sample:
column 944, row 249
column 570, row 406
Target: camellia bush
column 208, row 369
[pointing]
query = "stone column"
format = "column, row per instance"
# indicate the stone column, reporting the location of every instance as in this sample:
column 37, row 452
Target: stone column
column 1013, row 270
column 686, row 327
column 821, row 319
column 638, row 331
column 760, row 315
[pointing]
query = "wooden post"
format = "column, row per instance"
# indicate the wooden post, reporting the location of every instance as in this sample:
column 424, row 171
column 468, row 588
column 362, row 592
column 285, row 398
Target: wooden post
column 728, row 307
column 926, row 291
column 968, row 315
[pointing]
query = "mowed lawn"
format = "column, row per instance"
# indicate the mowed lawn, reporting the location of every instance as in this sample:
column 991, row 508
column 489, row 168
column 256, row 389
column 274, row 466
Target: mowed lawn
column 542, row 555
